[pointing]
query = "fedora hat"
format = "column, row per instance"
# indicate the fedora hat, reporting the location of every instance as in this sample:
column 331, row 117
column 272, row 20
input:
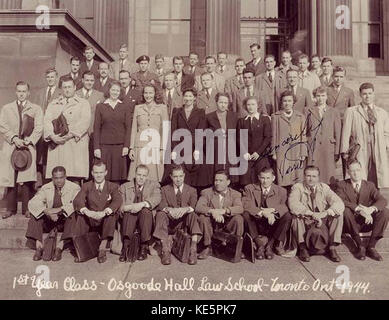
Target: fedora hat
column 21, row 159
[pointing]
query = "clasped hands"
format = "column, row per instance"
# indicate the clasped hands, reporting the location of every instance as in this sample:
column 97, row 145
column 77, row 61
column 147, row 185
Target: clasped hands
column 177, row 213
column 19, row 143
column 97, row 215
column 366, row 212
column 133, row 208
column 52, row 213
column 57, row 139
column 269, row 214
column 218, row 214
column 254, row 157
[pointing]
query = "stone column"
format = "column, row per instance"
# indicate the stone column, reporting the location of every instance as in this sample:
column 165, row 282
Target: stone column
column 198, row 30
column 10, row 4
column 223, row 26
column 32, row 4
column 385, row 14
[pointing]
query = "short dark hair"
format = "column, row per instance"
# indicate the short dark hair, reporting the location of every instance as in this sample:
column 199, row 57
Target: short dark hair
column 339, row 69
column 249, row 70
column 222, row 52
column 353, row 161
column 193, row 90
column 250, row 98
column 89, row 48
column 50, row 70
column 210, row 57
column 23, row 83
column 177, row 167
column 266, row 170
column 326, row 59
column 222, row 94
column 177, row 58
column 303, row 56
column 366, row 85
column 286, row 51
column 125, row 71
column 239, row 60
column 58, row 169
column 142, row 166
column 88, row 73
column 288, row 93
column 311, row 168
column 224, row 172
column 193, row 54
column 67, row 78
column 315, row 56
column 98, row 163
column 319, row 90
column 74, row 58
column 255, row 45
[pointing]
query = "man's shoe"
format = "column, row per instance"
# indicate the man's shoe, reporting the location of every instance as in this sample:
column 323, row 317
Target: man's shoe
column 361, row 253
column 143, row 252
column 38, row 254
column 204, row 254
column 269, row 254
column 27, row 214
column 8, row 214
column 193, row 255
column 102, row 257
column 57, row 254
column 304, row 255
column 260, row 254
column 372, row 253
column 166, row 258
column 123, row 257
column 279, row 249
column 333, row 255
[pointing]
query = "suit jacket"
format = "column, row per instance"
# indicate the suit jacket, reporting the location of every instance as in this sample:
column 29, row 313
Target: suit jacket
column 209, row 199
column 115, row 68
column 259, row 68
column 41, row 97
column 105, row 88
column 240, row 96
column 45, row 197
column 177, row 101
column 300, row 203
column 228, row 72
column 187, row 82
column 368, row 195
column 197, row 72
column 151, row 193
column 268, row 90
column 304, row 99
column 95, row 98
column 219, row 83
column 77, row 81
column 147, row 78
column 281, row 69
column 90, row 198
column 209, row 105
column 276, row 199
column 324, row 82
column 169, row 199
column 340, row 100
column 232, row 86
column 309, row 81
column 131, row 99
column 94, row 69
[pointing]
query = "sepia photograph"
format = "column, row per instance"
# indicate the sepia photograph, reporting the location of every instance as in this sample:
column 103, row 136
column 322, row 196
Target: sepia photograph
column 194, row 154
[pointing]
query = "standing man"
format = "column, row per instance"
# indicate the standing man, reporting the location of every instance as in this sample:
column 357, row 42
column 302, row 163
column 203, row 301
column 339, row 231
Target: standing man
column 286, row 63
column 75, row 73
column 97, row 205
column 219, row 207
column 71, row 150
column 326, row 76
column 222, row 68
column 307, row 79
column 172, row 97
column 218, row 81
column 365, row 210
column 339, row 96
column 129, row 96
column 177, row 212
column 266, row 214
column 122, row 64
column 368, row 126
column 257, row 63
column 318, row 216
column 184, row 81
column 316, row 65
column 193, row 68
column 160, row 66
column 140, row 197
column 21, row 125
column 46, row 95
column 90, row 64
column 206, row 96
column 235, row 83
column 52, row 207
column 102, row 83
column 144, row 77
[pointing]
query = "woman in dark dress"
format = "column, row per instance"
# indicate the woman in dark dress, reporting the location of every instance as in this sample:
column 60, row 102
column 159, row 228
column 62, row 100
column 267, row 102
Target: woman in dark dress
column 189, row 118
column 220, row 122
column 255, row 149
column 112, row 131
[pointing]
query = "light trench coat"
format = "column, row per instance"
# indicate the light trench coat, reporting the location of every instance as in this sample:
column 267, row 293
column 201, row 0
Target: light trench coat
column 73, row 156
column 356, row 126
column 9, row 128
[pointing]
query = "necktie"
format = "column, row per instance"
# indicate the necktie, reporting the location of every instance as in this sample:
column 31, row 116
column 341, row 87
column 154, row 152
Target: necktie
column 357, row 188
column 138, row 195
column 208, row 95
column 48, row 97
column 87, row 95
column 265, row 193
column 179, row 198
column 221, row 197
column 100, row 188
column 121, row 64
column 169, row 98
column 313, row 196
column 241, row 80
column 270, row 77
column 57, row 201
column 371, row 116
column 193, row 70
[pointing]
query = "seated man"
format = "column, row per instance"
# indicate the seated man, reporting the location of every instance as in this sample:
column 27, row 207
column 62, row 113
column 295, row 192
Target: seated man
column 318, row 216
column 177, row 212
column 140, row 197
column 97, row 204
column 365, row 210
column 52, row 207
column 219, row 207
column 266, row 214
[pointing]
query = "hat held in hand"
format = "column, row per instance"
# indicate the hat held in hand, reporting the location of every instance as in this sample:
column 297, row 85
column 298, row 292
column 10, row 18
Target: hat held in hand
column 21, row 159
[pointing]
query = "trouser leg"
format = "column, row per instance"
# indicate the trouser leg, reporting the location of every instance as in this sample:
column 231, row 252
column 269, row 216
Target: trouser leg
column 380, row 222
column 206, row 229
column 145, row 218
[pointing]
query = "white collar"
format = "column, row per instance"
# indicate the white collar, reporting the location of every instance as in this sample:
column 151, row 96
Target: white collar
column 256, row 116
column 266, row 189
column 169, row 90
column 127, row 90
column 85, row 91
column 139, row 188
column 256, row 61
column 100, row 184
column 176, row 189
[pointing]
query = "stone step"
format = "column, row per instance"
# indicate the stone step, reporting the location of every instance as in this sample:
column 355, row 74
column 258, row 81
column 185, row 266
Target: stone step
column 18, row 221
column 12, row 239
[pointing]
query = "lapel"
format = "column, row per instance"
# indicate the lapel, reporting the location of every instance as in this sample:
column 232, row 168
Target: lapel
column 270, row 195
column 103, row 197
column 147, row 110
column 185, row 194
column 214, row 120
column 362, row 112
column 257, row 195
column 236, row 82
column 230, row 120
column 353, row 196
column 267, row 81
column 215, row 200
column 172, row 196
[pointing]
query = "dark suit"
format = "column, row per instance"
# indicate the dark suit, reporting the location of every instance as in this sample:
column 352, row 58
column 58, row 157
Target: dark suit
column 175, row 103
column 233, row 223
column 340, row 100
column 94, row 69
column 198, row 71
column 368, row 196
column 164, row 224
column 253, row 200
column 269, row 88
column 77, row 81
column 103, row 88
column 324, row 82
column 259, row 140
column 304, row 99
column 240, row 96
column 259, row 68
column 89, row 197
column 131, row 99
column 187, row 82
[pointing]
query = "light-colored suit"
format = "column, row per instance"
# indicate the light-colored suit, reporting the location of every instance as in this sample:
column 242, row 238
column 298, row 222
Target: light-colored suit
column 176, row 100
column 268, row 90
column 227, row 73
column 219, row 83
column 209, row 105
column 41, row 97
column 95, row 98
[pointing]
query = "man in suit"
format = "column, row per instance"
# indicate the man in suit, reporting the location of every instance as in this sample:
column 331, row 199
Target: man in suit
column 340, row 96
column 129, row 96
column 52, row 207
column 303, row 96
column 184, row 81
column 365, row 211
column 103, row 82
column 268, row 83
column 177, row 212
column 222, row 68
column 160, row 70
column 307, row 79
column 144, row 77
column 75, row 73
column 122, row 64
column 257, row 63
column 172, row 97
column 193, row 68
column 286, row 63
column 210, row 67
column 206, row 97
column 90, row 64
column 140, row 196
column 249, row 90
column 94, row 97
column 316, row 65
column 318, row 216
column 266, row 215
column 235, row 83
column 46, row 95
column 219, row 207
column 97, row 205
column 326, row 76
